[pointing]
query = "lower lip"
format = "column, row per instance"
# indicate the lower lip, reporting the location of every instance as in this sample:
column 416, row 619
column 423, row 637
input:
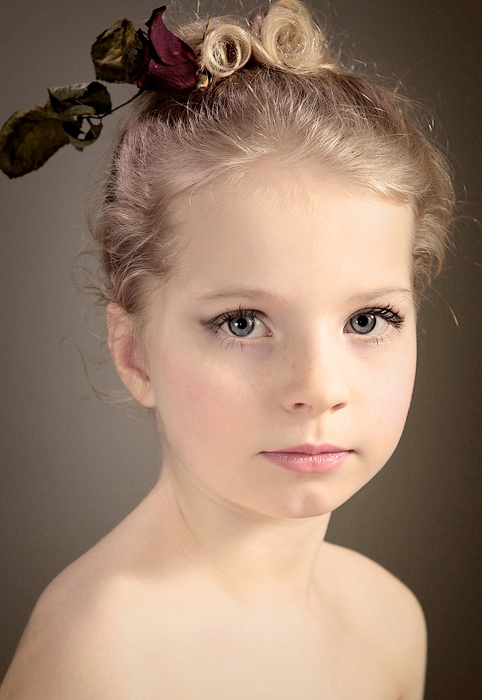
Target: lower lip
column 308, row 464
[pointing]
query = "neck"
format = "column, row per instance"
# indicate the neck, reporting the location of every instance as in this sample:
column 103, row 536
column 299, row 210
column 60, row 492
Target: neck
column 245, row 553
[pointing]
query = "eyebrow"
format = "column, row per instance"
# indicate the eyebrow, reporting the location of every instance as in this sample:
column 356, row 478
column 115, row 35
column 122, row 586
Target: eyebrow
column 383, row 291
column 273, row 297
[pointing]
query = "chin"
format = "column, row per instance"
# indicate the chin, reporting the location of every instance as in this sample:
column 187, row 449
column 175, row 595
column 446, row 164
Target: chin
column 314, row 501
column 310, row 505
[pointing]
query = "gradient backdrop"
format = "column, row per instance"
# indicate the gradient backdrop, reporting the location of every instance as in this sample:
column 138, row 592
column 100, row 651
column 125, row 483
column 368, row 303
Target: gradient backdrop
column 73, row 467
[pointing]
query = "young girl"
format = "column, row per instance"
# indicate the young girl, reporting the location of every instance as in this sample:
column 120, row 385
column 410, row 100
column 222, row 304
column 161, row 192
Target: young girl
column 266, row 233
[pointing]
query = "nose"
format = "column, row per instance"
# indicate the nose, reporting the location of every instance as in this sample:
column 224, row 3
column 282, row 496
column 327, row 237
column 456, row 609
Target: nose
column 316, row 376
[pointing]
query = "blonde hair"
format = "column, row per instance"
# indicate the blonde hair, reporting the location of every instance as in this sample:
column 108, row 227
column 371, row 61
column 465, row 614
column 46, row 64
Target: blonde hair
column 268, row 88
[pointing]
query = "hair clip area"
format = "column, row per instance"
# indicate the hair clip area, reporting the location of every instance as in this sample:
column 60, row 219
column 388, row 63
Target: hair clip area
column 157, row 61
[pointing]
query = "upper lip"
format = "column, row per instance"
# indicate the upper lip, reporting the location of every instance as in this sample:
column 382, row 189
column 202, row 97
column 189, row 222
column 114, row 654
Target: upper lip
column 313, row 449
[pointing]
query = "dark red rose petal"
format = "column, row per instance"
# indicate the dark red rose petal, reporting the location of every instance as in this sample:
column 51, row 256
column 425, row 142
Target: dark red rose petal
column 173, row 78
column 169, row 63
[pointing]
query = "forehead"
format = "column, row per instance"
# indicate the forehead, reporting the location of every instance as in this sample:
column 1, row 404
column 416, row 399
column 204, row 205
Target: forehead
column 295, row 232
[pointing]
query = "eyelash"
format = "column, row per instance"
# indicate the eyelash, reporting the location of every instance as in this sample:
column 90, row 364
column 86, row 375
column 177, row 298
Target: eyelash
column 216, row 324
column 388, row 313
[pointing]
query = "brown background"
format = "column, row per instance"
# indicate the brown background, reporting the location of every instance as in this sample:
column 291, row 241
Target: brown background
column 73, row 467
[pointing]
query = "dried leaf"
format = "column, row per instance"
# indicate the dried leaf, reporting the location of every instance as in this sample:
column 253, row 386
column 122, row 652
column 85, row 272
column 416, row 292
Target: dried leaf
column 78, row 138
column 78, row 111
column 135, row 58
column 91, row 95
column 115, row 52
column 29, row 138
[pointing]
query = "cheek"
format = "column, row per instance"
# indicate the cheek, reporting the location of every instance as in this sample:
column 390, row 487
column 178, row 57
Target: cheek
column 392, row 400
column 395, row 401
column 198, row 401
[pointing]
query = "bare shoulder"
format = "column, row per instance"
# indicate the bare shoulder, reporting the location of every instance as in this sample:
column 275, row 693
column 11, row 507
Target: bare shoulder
column 67, row 649
column 387, row 611
column 367, row 580
column 62, row 651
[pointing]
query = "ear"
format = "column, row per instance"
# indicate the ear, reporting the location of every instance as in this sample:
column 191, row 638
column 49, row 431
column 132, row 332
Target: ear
column 126, row 355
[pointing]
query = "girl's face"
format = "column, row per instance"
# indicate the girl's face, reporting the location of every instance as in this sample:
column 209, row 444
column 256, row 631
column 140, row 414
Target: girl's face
column 290, row 320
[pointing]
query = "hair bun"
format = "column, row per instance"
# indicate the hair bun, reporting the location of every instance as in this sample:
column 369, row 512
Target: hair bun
column 284, row 37
column 292, row 40
column 225, row 49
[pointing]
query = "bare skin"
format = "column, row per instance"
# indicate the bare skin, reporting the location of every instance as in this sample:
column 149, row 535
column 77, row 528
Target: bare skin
column 220, row 584
column 128, row 621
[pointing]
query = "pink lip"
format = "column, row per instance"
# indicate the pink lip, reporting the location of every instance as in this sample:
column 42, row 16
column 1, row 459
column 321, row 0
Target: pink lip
column 310, row 459
column 313, row 449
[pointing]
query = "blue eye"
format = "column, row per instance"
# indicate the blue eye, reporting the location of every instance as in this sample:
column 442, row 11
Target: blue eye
column 374, row 321
column 363, row 323
column 246, row 325
column 241, row 325
column 238, row 325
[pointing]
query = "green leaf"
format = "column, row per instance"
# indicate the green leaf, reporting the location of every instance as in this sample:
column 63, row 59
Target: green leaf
column 91, row 95
column 29, row 138
column 115, row 51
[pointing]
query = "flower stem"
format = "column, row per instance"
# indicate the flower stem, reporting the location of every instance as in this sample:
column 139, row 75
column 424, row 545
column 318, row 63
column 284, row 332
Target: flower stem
column 101, row 116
